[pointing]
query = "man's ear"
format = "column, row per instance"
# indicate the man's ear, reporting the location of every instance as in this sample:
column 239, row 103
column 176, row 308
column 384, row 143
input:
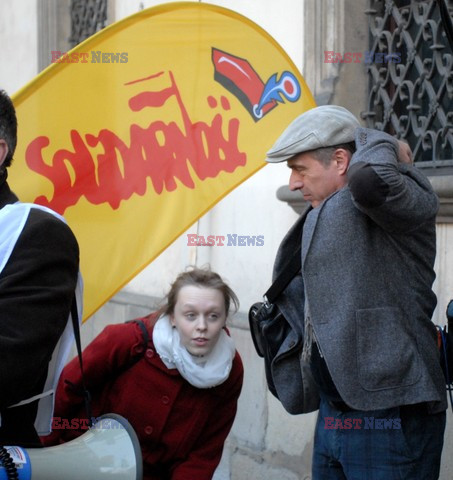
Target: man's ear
column 342, row 157
column 3, row 151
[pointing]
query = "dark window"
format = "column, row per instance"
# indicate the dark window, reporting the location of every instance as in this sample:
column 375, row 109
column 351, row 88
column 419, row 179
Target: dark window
column 410, row 73
column 87, row 17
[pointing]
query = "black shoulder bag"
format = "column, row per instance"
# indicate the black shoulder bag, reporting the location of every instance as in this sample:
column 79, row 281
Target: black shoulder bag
column 268, row 326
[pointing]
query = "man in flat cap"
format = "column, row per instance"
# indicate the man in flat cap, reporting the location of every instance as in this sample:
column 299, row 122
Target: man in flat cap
column 364, row 299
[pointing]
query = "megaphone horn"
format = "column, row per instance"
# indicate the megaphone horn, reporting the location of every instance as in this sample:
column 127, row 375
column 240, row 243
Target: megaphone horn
column 109, row 449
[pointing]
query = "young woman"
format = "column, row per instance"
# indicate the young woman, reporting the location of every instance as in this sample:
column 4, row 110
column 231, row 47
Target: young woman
column 179, row 392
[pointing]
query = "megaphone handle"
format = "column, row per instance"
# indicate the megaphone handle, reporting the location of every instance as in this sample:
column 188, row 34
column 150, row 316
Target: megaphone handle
column 9, row 466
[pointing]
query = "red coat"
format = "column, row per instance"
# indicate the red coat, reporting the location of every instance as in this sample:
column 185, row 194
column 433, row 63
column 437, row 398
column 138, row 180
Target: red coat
column 181, row 429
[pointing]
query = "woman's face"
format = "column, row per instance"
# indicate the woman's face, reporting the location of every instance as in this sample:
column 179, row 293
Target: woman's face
column 199, row 317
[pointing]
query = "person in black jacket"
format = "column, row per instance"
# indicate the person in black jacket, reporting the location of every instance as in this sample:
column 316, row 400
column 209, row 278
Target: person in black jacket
column 39, row 264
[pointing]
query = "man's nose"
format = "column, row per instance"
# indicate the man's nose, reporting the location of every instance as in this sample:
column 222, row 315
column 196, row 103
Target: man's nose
column 295, row 181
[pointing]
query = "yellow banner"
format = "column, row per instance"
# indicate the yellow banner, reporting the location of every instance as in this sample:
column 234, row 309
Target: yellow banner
column 138, row 131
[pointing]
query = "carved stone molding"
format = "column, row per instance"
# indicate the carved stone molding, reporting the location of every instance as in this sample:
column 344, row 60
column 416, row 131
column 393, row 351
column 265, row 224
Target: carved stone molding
column 323, row 31
column 293, row 199
column 54, row 27
column 442, row 185
column 47, row 32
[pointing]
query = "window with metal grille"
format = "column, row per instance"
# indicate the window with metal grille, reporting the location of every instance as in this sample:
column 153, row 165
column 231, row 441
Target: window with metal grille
column 411, row 77
column 87, row 17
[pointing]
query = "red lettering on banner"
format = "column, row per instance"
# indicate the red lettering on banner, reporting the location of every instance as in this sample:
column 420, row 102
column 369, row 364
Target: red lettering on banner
column 161, row 152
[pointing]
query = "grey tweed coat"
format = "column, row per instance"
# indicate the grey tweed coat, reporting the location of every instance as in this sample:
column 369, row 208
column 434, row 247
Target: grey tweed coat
column 367, row 270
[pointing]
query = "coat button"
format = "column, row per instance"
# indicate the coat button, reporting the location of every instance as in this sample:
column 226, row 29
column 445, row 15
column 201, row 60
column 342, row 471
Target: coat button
column 138, row 349
column 149, row 353
column 149, row 430
column 165, row 400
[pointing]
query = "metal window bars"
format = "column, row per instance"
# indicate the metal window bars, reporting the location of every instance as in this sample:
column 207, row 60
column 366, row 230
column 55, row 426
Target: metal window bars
column 87, row 18
column 411, row 77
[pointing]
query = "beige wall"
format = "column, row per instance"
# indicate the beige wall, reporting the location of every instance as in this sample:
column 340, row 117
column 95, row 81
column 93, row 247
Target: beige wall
column 19, row 47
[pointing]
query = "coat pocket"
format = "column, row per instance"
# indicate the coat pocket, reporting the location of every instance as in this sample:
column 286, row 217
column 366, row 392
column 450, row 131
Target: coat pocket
column 387, row 353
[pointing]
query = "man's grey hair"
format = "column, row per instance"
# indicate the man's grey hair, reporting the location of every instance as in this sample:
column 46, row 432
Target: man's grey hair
column 324, row 155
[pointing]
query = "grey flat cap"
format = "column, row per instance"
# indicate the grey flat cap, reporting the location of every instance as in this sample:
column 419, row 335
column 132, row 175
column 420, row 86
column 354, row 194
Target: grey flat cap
column 318, row 127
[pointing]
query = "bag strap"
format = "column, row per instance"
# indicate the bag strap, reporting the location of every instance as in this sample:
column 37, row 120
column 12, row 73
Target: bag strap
column 145, row 337
column 289, row 271
column 144, row 330
column 292, row 266
column 85, row 392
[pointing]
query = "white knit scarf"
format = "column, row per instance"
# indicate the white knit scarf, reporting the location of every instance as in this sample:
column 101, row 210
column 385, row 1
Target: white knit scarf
column 201, row 372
